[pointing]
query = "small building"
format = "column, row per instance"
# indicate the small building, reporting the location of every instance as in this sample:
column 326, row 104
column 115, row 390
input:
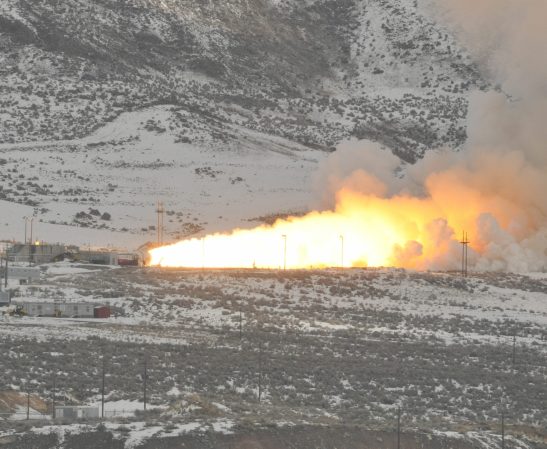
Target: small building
column 99, row 257
column 36, row 252
column 77, row 310
column 27, row 274
column 59, row 309
column 5, row 299
column 76, row 412
column 101, row 312
column 38, row 308
column 128, row 260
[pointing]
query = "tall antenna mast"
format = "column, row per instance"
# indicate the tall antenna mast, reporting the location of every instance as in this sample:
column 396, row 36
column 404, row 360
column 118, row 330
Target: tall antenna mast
column 160, row 211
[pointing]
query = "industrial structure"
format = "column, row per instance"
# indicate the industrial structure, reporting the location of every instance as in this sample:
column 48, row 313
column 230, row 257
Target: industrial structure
column 36, row 252
column 128, row 260
column 24, row 274
column 62, row 309
column 98, row 257
column 4, row 298
column 39, row 253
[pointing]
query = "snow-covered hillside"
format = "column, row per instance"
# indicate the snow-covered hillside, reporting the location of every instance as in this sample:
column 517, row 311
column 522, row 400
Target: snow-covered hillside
column 125, row 167
column 340, row 348
column 221, row 110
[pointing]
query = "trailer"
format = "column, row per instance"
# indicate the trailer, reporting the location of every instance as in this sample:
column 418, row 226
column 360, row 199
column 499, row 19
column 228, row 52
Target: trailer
column 76, row 411
column 59, row 309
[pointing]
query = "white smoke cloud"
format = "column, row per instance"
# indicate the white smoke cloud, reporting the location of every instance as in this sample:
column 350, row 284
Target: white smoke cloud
column 361, row 166
column 497, row 186
column 381, row 211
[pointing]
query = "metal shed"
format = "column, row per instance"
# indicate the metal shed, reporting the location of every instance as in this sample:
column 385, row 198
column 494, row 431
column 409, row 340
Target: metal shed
column 58, row 309
column 4, row 298
column 76, row 411
column 101, row 312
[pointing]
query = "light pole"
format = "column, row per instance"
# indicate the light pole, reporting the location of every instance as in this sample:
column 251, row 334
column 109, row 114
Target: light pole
column 30, row 245
column 102, row 389
column 31, row 222
column 203, row 253
column 341, row 251
column 26, row 221
column 144, row 381
column 399, row 428
column 284, row 236
column 53, row 414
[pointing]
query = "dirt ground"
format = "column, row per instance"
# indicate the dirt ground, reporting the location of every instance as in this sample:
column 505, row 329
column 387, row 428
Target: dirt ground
column 297, row 437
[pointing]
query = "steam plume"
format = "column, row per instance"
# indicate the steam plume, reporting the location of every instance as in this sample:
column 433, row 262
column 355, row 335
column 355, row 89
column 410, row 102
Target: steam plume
column 496, row 187
column 380, row 212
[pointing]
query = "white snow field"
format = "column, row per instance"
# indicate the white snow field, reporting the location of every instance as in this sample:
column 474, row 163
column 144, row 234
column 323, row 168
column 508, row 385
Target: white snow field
column 125, row 167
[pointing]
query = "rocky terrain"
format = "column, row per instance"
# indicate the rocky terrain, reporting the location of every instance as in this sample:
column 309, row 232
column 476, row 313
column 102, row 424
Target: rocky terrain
column 314, row 72
column 88, row 88
column 240, row 352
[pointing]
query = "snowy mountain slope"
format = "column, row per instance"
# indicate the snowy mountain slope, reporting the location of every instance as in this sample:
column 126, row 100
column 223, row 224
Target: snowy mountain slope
column 144, row 91
column 321, row 68
column 210, row 184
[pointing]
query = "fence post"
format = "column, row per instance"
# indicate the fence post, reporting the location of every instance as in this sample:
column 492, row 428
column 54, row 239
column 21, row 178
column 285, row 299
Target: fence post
column 28, row 404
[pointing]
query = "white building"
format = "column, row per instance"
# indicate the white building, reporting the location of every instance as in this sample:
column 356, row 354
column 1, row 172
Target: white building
column 29, row 274
column 76, row 411
column 58, row 309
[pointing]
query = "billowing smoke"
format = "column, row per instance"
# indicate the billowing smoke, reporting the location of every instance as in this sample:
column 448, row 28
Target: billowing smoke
column 378, row 211
column 496, row 186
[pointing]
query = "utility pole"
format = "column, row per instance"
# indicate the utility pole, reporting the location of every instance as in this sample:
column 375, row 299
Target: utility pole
column 53, row 398
column 5, row 272
column 465, row 243
column 144, row 381
column 341, row 251
column 26, row 221
column 503, row 429
column 240, row 319
column 160, row 210
column 31, row 229
column 284, row 237
column 203, row 253
column 399, row 428
column 514, row 348
column 102, row 389
column 28, row 404
column 259, row 370
column 30, row 243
